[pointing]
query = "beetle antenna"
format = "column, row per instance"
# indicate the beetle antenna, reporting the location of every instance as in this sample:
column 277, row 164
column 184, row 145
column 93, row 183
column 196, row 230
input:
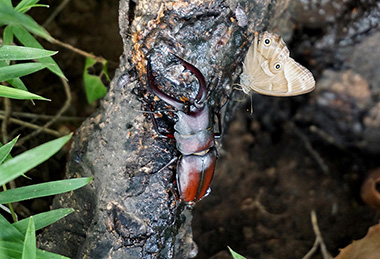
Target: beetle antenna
column 153, row 112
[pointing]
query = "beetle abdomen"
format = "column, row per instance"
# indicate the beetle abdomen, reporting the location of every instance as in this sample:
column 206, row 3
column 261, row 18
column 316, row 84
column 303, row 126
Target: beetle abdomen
column 194, row 175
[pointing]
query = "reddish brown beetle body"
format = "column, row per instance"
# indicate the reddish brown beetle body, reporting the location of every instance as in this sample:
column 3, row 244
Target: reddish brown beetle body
column 195, row 139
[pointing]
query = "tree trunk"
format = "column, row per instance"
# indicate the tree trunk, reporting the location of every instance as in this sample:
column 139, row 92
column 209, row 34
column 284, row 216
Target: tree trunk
column 131, row 209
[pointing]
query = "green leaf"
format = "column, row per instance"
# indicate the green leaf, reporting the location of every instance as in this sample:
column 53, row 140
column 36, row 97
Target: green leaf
column 15, row 82
column 10, row 250
column 9, row 232
column 95, row 89
column 27, row 8
column 10, row 16
column 29, row 249
column 234, row 254
column 7, row 3
column 14, row 71
column 3, row 63
column 8, row 52
column 29, row 41
column 13, row 93
column 105, row 70
column 22, row 163
column 14, row 250
column 6, row 149
column 25, row 5
column 43, row 219
column 42, row 189
column 7, row 36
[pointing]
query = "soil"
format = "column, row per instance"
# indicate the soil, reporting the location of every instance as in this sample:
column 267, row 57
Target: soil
column 265, row 187
column 268, row 177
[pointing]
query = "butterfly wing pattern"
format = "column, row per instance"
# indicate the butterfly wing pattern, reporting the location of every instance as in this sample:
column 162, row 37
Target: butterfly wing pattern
column 269, row 70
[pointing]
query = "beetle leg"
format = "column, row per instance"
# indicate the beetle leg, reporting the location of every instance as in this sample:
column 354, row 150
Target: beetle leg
column 218, row 115
column 218, row 134
column 160, row 134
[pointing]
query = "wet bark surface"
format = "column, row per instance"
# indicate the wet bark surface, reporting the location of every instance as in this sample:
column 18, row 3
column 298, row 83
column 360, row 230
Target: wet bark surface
column 290, row 156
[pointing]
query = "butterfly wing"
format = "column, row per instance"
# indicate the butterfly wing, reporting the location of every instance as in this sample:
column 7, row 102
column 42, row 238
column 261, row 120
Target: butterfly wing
column 269, row 70
column 299, row 79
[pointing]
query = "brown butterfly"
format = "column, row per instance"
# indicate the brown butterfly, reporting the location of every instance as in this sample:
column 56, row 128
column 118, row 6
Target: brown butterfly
column 268, row 69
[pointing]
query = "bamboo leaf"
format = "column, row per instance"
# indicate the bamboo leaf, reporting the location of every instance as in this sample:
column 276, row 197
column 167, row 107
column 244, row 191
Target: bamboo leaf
column 25, row 5
column 29, row 41
column 42, row 189
column 14, row 250
column 22, row 163
column 9, row 232
column 13, row 93
column 10, row 16
column 15, row 82
column 235, row 255
column 7, row 36
column 6, row 149
column 7, row 3
column 29, row 249
column 8, row 52
column 18, row 70
column 43, row 219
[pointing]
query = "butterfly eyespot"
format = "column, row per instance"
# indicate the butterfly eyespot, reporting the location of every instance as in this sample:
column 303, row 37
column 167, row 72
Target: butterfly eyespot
column 268, row 69
column 277, row 66
column 267, row 42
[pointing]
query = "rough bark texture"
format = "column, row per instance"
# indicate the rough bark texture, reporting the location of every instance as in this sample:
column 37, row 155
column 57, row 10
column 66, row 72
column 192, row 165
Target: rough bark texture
column 130, row 210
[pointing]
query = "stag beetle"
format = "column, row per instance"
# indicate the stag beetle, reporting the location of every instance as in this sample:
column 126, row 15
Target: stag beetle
column 194, row 136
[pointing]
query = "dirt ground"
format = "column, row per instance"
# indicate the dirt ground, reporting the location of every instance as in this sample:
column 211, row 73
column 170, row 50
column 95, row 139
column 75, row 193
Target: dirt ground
column 265, row 187
column 269, row 175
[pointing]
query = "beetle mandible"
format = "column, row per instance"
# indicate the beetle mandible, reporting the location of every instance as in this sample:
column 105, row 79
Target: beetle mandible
column 194, row 136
